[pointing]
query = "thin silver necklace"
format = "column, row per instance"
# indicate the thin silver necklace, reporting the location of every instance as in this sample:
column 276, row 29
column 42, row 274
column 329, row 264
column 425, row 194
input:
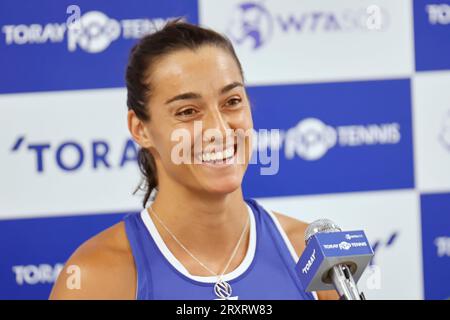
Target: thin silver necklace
column 221, row 288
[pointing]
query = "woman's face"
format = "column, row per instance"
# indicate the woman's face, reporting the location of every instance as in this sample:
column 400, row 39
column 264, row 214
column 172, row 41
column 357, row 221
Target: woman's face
column 197, row 105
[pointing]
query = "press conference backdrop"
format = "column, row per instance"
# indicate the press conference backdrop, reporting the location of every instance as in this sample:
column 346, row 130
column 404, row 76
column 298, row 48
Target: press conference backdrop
column 360, row 91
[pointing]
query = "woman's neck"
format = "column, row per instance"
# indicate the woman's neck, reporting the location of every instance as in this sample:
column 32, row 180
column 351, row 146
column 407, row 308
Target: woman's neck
column 207, row 225
column 210, row 211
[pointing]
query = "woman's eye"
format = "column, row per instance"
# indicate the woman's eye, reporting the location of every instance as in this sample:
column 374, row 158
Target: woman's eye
column 233, row 102
column 186, row 112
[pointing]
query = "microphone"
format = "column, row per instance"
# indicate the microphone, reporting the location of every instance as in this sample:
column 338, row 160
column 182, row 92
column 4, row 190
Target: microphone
column 333, row 259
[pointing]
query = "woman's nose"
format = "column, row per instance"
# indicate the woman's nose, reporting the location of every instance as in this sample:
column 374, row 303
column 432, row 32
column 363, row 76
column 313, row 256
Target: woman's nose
column 216, row 126
column 216, row 120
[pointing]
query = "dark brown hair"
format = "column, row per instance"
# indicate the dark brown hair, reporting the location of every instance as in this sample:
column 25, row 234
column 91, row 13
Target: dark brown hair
column 175, row 35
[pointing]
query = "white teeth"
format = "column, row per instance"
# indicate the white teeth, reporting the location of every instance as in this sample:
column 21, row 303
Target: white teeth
column 215, row 156
column 229, row 152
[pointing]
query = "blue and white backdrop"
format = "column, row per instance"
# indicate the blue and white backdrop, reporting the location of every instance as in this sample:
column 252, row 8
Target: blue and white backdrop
column 360, row 91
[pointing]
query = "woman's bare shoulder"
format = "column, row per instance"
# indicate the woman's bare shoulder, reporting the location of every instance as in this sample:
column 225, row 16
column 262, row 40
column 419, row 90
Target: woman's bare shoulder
column 295, row 231
column 101, row 268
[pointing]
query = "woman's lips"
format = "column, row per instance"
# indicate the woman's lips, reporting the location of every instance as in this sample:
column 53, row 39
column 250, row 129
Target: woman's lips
column 223, row 158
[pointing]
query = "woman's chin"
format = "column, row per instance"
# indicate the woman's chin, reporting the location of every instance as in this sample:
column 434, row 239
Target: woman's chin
column 223, row 186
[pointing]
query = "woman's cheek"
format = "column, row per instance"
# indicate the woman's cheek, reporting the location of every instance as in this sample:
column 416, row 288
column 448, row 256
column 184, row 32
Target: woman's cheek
column 179, row 148
column 245, row 118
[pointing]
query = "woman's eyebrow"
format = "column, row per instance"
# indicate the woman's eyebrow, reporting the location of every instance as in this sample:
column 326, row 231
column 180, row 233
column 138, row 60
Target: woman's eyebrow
column 193, row 95
column 184, row 96
column 231, row 86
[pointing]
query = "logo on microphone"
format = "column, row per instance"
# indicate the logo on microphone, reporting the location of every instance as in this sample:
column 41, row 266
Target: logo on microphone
column 353, row 236
column 309, row 262
column 344, row 245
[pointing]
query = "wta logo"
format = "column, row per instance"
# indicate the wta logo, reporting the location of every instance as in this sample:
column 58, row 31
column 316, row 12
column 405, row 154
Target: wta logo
column 254, row 24
column 251, row 22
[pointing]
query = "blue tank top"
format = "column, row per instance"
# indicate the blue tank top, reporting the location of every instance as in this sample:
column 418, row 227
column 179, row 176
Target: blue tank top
column 266, row 272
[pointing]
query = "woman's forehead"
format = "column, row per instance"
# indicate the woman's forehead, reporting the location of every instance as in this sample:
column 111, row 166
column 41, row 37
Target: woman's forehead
column 186, row 69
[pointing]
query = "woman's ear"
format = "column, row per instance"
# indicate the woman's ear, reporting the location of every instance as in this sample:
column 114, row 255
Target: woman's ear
column 139, row 131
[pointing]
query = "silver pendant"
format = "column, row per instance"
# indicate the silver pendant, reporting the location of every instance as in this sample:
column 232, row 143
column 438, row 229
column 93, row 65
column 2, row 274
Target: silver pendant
column 223, row 291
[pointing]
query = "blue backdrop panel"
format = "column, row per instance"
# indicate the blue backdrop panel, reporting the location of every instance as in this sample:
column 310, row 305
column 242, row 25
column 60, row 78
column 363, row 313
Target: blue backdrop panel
column 29, row 247
column 343, row 168
column 435, row 235
column 28, row 64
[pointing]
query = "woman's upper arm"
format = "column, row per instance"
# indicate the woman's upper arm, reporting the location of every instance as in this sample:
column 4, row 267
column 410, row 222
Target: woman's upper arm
column 97, row 270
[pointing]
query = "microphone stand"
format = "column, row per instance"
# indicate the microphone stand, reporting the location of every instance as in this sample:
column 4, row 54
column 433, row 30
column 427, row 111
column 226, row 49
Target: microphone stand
column 344, row 283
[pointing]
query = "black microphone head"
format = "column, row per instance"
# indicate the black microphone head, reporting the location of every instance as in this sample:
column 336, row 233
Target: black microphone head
column 321, row 225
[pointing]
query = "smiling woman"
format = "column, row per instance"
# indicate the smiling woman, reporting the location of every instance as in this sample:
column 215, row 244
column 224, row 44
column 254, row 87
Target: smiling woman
column 197, row 237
